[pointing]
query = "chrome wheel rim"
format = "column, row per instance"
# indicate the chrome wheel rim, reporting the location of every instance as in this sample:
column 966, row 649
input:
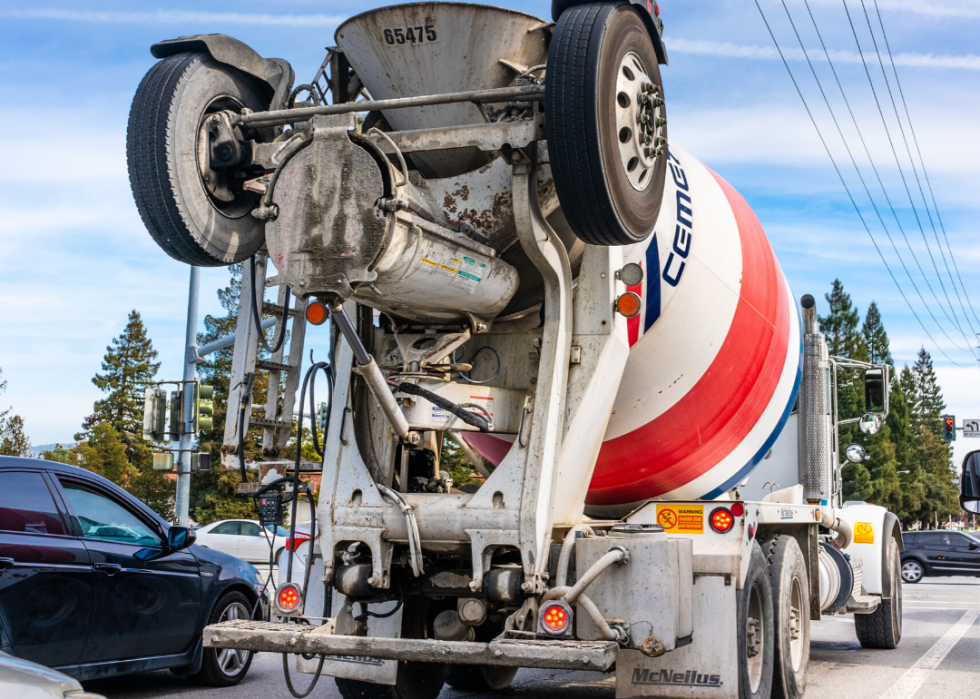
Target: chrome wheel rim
column 639, row 121
column 232, row 661
column 755, row 640
column 911, row 571
column 796, row 622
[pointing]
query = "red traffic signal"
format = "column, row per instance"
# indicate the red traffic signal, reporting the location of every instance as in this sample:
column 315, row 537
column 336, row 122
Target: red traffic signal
column 949, row 428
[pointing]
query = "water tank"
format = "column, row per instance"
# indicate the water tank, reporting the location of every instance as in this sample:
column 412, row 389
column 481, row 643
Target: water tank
column 714, row 365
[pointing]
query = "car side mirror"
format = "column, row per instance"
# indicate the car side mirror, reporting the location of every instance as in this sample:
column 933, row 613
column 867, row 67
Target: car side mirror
column 970, row 483
column 974, row 546
column 180, row 538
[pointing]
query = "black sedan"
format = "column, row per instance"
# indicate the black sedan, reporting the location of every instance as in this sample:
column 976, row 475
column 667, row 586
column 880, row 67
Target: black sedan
column 939, row 553
column 95, row 584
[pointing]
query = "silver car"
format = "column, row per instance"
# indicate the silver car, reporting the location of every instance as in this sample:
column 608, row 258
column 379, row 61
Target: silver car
column 26, row 680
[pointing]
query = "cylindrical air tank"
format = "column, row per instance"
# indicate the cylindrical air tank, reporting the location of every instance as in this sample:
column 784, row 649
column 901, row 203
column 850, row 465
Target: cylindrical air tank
column 714, row 364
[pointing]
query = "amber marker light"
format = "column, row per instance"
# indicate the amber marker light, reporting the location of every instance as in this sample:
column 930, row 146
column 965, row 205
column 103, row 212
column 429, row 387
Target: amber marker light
column 629, row 304
column 316, row 313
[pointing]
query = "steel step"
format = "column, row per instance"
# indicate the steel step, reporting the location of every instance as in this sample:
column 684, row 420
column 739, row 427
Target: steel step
column 272, row 366
column 274, row 309
column 264, row 636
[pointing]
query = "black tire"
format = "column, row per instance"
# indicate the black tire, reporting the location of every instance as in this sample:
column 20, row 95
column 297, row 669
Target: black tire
column 791, row 604
column 585, row 61
column 414, row 681
column 883, row 627
column 912, row 571
column 755, row 605
column 480, row 678
column 183, row 217
column 222, row 667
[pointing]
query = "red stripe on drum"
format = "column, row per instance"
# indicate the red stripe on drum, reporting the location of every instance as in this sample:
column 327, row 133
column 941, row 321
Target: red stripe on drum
column 707, row 424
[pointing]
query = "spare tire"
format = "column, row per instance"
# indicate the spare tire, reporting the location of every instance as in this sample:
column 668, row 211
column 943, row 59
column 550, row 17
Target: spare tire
column 192, row 223
column 605, row 122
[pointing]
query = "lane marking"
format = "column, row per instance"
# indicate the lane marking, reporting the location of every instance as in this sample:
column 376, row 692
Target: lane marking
column 910, row 683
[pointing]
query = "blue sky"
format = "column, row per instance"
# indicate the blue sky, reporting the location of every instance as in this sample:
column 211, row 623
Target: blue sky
column 74, row 257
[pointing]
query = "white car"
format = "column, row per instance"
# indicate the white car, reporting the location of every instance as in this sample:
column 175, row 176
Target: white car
column 26, row 680
column 244, row 538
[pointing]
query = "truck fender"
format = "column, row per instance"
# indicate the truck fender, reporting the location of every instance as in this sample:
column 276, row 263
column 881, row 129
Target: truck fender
column 645, row 7
column 275, row 73
column 890, row 527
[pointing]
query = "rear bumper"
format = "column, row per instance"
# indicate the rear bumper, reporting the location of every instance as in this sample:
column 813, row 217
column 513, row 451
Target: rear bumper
column 260, row 636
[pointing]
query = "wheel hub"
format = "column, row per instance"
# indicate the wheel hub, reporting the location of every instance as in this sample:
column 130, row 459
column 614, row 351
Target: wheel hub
column 640, row 121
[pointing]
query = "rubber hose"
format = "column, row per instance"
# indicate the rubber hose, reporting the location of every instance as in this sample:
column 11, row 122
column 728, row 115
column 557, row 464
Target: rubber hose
column 258, row 320
column 566, row 552
column 477, row 421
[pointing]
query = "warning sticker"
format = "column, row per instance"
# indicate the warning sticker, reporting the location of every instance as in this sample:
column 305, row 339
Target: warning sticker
column 864, row 533
column 470, row 274
column 450, row 266
column 681, row 519
column 429, row 259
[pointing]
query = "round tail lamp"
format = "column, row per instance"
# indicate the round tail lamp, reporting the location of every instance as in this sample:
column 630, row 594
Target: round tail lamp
column 555, row 618
column 289, row 599
column 316, row 313
column 722, row 520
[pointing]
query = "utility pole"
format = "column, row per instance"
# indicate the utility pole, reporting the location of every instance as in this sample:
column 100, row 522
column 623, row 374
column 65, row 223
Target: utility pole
column 182, row 508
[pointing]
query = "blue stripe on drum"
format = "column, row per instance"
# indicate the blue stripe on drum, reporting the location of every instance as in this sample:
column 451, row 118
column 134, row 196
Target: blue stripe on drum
column 653, row 283
column 767, row 445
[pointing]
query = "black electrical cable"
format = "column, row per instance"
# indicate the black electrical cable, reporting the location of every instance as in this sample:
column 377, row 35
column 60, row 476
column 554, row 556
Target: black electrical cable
column 257, row 318
column 478, row 421
column 289, row 682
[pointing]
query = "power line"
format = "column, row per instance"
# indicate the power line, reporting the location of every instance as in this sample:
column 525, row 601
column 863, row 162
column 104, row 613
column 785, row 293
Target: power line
column 925, row 174
column 908, row 150
column 847, row 189
column 854, row 162
column 901, row 173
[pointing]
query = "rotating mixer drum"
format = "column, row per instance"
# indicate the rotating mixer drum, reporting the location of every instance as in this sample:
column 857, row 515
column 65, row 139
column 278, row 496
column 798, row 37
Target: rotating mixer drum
column 714, row 365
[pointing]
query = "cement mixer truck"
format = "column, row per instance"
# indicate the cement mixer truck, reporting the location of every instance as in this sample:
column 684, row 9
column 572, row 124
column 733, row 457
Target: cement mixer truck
column 513, row 255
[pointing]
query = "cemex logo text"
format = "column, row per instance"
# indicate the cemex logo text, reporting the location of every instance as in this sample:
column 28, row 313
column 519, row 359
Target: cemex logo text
column 689, row 678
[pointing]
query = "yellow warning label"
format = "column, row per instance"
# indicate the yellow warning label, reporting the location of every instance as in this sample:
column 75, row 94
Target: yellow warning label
column 681, row 519
column 864, row 533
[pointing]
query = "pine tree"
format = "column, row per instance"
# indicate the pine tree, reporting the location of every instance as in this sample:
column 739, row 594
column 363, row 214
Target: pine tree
column 929, row 398
column 900, row 429
column 875, row 338
column 151, row 487
column 128, row 368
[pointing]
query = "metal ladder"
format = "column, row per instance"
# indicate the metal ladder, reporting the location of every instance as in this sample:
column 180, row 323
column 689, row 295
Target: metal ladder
column 245, row 363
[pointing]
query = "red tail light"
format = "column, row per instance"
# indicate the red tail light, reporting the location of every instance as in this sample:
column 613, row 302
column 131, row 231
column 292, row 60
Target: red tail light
column 555, row 618
column 291, row 543
column 722, row 520
column 289, row 599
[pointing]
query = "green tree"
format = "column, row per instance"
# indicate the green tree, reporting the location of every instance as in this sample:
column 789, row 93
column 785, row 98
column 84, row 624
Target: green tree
column 214, row 493
column 900, row 430
column 128, row 367
column 929, row 404
column 151, row 487
column 104, row 453
column 13, row 440
column 875, row 338
column 61, row 454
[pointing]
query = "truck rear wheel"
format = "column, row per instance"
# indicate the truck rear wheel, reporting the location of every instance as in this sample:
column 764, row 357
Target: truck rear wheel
column 199, row 216
column 791, row 604
column 606, row 124
column 755, row 627
column 480, row 678
column 883, row 627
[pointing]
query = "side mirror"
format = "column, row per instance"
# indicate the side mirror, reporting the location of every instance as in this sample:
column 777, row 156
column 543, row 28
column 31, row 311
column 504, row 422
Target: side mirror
column 876, row 389
column 869, row 423
column 970, row 483
column 180, row 538
column 974, row 546
column 855, row 453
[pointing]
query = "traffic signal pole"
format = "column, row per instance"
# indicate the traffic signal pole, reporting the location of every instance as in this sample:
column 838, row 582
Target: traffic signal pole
column 182, row 505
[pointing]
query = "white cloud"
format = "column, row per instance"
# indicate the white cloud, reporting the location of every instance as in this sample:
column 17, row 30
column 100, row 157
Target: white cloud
column 177, row 17
column 727, row 49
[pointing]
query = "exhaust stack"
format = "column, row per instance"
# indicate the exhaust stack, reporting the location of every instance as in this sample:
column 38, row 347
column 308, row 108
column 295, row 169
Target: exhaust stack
column 815, row 419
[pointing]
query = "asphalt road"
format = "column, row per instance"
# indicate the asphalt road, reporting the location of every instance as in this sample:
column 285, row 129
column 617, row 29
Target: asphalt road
column 939, row 658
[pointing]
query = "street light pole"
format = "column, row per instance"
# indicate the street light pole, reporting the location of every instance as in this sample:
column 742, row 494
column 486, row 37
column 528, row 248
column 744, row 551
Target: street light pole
column 182, row 505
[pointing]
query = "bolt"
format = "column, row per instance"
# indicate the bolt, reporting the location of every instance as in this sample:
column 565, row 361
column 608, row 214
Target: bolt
column 527, row 587
column 372, row 580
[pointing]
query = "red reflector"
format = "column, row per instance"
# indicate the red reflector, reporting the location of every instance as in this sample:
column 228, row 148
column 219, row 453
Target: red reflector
column 555, row 618
column 722, row 520
column 288, row 598
column 656, row 9
column 738, row 509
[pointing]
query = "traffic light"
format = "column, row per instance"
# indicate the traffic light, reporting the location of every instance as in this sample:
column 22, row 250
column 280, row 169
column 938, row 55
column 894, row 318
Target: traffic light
column 163, row 461
column 154, row 414
column 949, row 428
column 203, row 407
column 176, row 414
column 200, row 461
column 321, row 416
